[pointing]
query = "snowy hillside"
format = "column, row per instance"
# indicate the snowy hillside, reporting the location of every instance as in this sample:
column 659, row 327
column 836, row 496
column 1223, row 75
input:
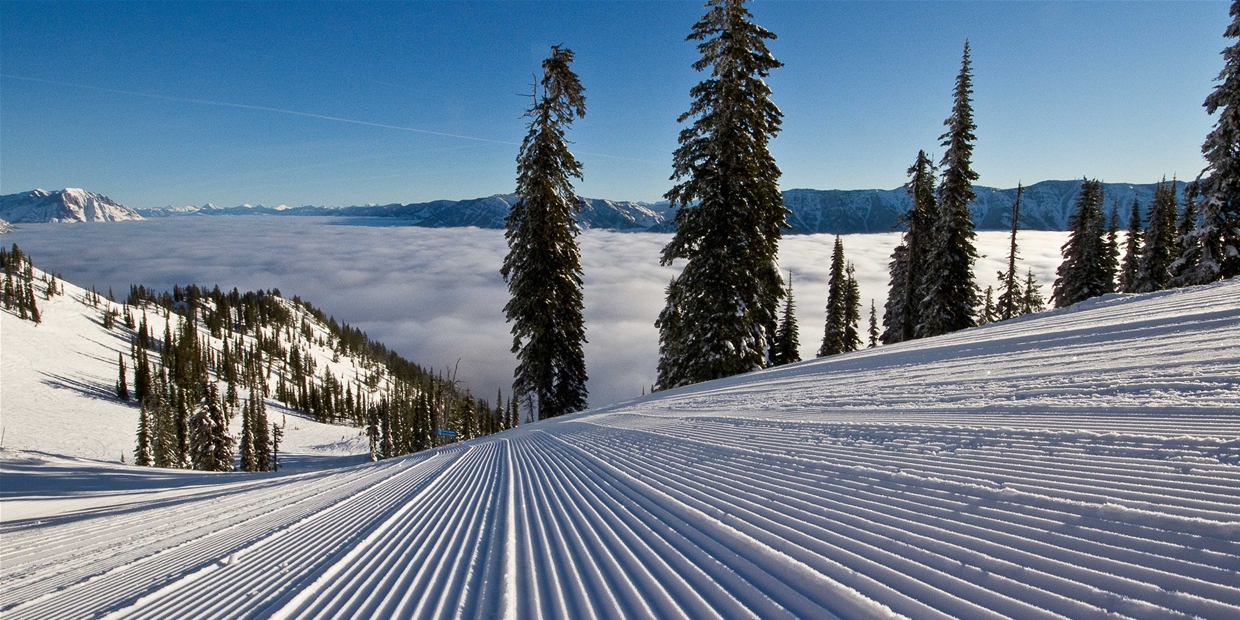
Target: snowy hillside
column 5, row 227
column 1083, row 463
column 66, row 205
column 59, row 376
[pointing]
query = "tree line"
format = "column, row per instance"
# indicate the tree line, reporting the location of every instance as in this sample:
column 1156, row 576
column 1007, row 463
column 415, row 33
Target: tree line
column 722, row 314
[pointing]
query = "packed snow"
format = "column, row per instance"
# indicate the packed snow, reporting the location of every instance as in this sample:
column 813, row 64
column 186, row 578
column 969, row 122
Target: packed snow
column 1080, row 463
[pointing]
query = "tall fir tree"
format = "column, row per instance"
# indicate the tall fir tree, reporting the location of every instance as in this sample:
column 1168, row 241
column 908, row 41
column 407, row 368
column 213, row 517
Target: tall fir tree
column 122, row 386
column 1082, row 272
column 873, row 330
column 1219, row 233
column 1158, row 249
column 720, row 317
column 1110, row 253
column 837, row 288
column 543, row 265
column 1007, row 305
column 786, row 349
column 852, row 310
column 950, row 295
column 249, row 460
column 143, row 455
column 1131, row 264
column 902, row 311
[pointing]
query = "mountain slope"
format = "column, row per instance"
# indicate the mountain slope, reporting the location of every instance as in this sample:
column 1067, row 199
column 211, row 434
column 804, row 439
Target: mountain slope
column 65, row 205
column 1082, row 463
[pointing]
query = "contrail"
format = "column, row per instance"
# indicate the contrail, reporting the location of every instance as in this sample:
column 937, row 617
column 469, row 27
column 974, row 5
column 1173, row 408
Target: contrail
column 243, row 106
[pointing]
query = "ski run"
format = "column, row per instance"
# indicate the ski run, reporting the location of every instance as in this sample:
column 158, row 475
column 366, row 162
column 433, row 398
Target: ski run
column 1079, row 463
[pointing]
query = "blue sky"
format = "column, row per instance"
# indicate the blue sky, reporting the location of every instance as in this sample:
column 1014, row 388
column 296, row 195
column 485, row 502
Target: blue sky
column 124, row 98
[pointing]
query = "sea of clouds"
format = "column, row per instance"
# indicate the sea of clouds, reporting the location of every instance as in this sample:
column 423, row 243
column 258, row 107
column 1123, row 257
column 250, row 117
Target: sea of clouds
column 436, row 296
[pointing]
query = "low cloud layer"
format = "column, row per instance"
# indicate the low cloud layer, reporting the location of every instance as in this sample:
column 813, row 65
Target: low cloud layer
column 435, row 295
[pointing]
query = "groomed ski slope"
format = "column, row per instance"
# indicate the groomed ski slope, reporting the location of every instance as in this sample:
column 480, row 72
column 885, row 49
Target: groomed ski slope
column 1084, row 463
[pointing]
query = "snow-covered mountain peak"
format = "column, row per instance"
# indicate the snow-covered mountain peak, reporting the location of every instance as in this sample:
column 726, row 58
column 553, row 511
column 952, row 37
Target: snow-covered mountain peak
column 67, row 205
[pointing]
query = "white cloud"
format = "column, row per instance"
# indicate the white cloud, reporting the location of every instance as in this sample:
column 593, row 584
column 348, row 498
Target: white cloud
column 435, row 295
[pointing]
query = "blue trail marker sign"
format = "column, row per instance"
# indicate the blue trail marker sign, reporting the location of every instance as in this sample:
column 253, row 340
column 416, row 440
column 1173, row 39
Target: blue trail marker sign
column 443, row 432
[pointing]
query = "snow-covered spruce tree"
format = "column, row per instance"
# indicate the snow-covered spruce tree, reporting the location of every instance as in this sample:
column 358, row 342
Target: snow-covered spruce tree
column 1187, row 269
column 1158, row 249
column 1008, row 303
column 1032, row 301
column 1110, row 252
column 950, row 295
column 543, row 265
column 1081, row 274
column 837, row 288
column 1219, row 233
column 1131, row 264
column 873, row 331
column 142, row 454
column 262, row 434
column 720, row 317
column 902, row 311
column 786, row 349
column 852, row 310
column 989, row 313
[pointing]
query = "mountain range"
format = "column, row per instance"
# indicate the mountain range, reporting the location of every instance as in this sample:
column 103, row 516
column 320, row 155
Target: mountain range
column 1044, row 206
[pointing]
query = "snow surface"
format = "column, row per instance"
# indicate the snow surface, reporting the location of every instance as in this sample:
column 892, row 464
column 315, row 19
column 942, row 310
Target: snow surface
column 1083, row 463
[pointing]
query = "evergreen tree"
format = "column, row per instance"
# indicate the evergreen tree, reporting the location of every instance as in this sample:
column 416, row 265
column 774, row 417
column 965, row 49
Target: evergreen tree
column 852, row 310
column 1082, row 272
column 543, row 266
column 277, row 433
column 262, row 435
column 1110, row 253
column 142, row 455
column 873, row 331
column 786, row 349
column 1009, row 301
column 249, row 461
column 34, row 306
column 1219, row 234
column 1188, row 243
column 902, row 312
column 1032, row 301
column 122, row 388
column 989, row 313
column 837, row 288
column 201, row 433
column 1132, row 250
column 183, row 432
column 950, row 295
column 1158, row 250
column 372, row 432
column 720, row 317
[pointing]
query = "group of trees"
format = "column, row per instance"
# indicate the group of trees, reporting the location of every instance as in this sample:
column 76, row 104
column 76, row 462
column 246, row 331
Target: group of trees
column 19, row 285
column 1197, row 244
column 221, row 353
column 932, row 290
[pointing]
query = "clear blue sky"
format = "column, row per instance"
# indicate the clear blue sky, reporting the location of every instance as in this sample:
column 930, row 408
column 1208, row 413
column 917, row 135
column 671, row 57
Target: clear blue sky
column 1063, row 89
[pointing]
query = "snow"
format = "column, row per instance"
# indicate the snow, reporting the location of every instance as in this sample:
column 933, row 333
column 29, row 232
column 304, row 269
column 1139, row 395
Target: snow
column 58, row 392
column 67, row 205
column 1081, row 463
